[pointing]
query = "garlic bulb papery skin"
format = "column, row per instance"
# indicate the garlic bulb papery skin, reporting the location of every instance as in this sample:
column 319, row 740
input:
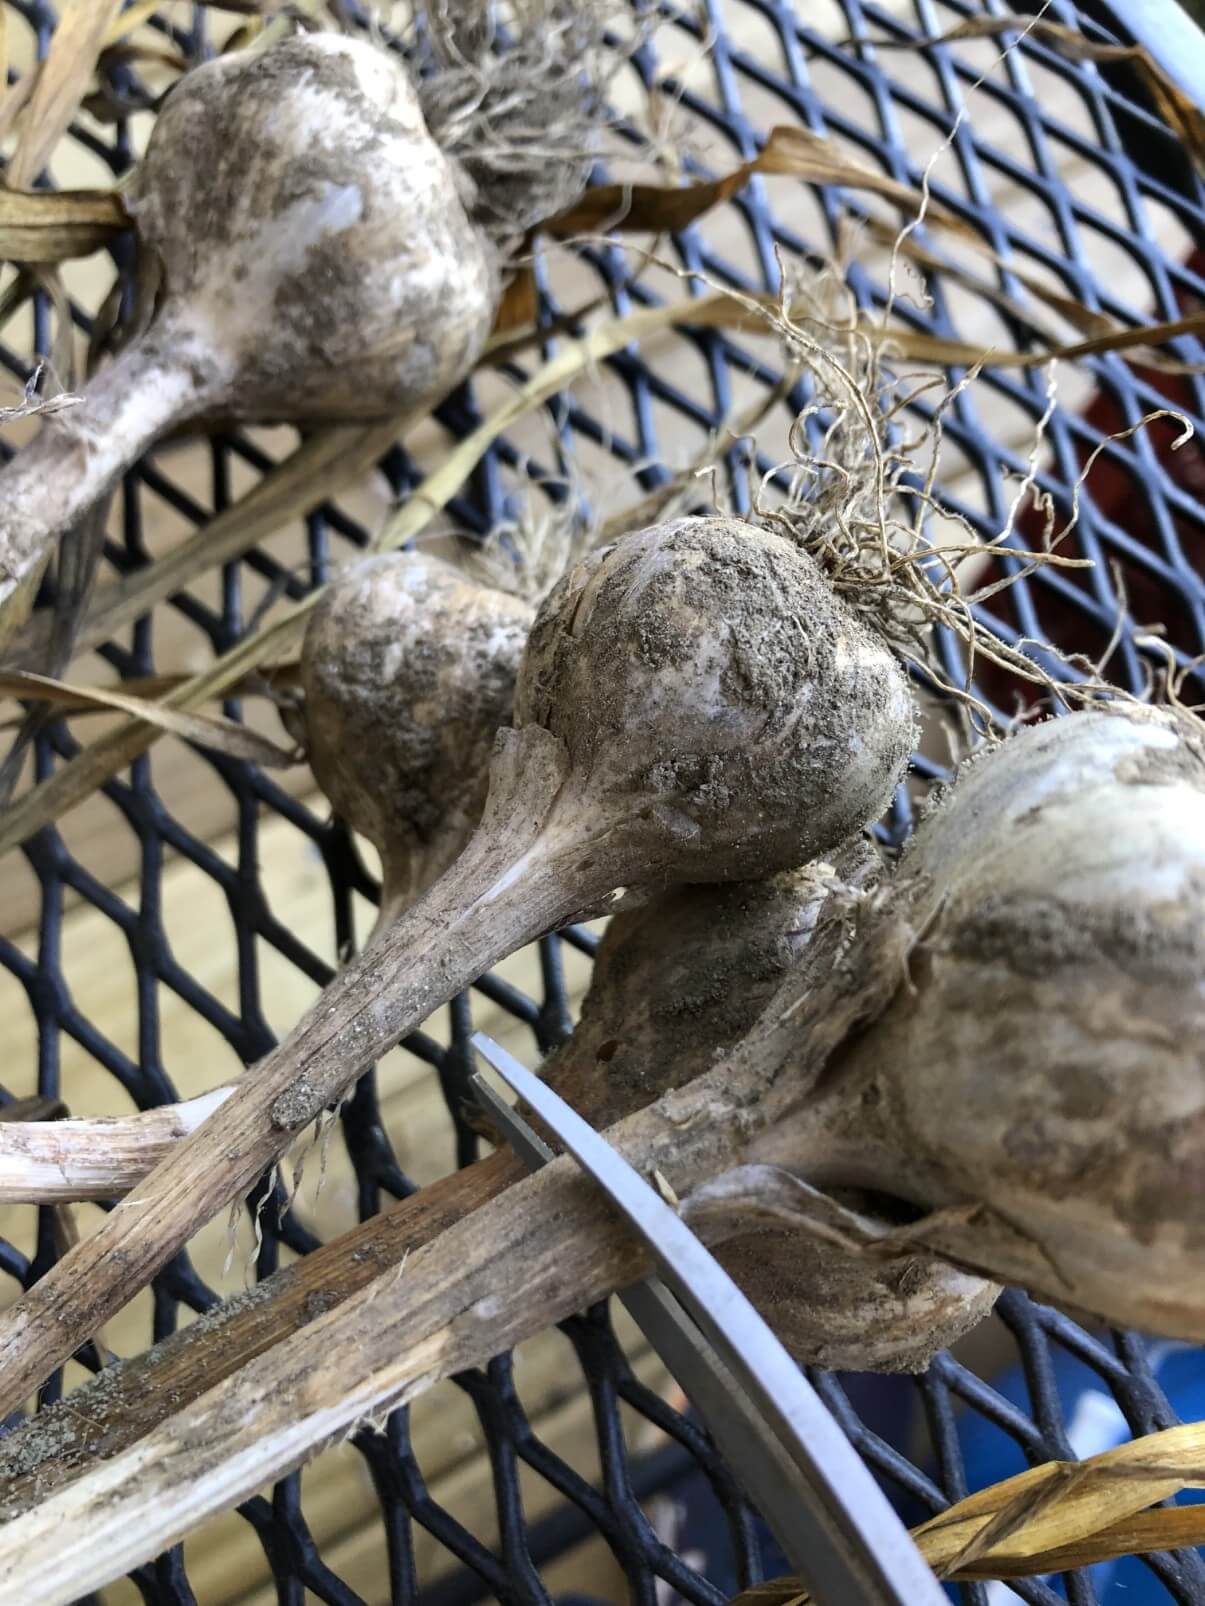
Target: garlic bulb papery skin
column 316, row 263
column 1045, row 1065
column 675, row 985
column 408, row 668
column 707, row 685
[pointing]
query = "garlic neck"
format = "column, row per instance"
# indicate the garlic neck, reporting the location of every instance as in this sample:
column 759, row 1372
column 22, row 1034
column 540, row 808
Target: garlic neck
column 166, row 376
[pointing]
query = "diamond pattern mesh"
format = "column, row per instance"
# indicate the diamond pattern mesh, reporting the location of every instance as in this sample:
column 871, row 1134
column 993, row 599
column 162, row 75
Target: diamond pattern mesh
column 1069, row 173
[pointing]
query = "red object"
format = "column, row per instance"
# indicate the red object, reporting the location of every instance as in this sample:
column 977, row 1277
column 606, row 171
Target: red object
column 1117, row 492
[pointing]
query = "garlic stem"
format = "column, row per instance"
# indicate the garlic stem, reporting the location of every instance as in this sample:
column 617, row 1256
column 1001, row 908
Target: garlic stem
column 79, row 454
column 46, row 1162
column 501, row 1274
column 503, row 895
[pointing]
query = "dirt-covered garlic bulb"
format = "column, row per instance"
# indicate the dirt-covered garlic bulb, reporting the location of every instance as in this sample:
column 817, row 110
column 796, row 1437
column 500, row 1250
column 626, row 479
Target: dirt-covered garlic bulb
column 1033, row 1070
column 675, row 985
column 316, row 259
column 408, row 668
column 695, row 704
column 706, row 682
column 1051, row 1060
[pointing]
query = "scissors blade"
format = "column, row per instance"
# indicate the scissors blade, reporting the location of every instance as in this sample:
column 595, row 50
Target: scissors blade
column 743, row 1438
column 847, row 1544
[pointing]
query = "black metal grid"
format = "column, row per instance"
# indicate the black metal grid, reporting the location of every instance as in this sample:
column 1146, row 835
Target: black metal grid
column 885, row 97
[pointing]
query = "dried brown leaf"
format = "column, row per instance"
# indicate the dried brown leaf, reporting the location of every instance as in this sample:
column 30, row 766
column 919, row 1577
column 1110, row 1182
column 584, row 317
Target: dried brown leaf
column 519, row 304
column 17, row 98
column 650, row 208
column 794, row 152
column 747, row 312
column 1060, row 1515
column 1088, row 321
column 920, row 347
column 1090, row 1495
column 210, row 730
column 62, row 83
column 1165, row 1528
column 151, row 688
column 505, row 343
column 1076, row 313
column 51, row 226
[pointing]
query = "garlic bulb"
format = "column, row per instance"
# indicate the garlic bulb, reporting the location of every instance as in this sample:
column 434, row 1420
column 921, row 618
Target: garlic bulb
column 1051, row 1062
column 316, row 262
column 675, row 985
column 1036, row 1071
column 409, row 670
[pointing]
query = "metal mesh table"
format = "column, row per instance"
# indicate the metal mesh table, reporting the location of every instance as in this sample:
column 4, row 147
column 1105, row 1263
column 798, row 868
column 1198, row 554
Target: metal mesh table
column 1067, row 170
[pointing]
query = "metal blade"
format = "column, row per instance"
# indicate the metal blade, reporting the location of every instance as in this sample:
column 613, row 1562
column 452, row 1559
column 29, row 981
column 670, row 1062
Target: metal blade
column 745, row 1441
column 846, row 1543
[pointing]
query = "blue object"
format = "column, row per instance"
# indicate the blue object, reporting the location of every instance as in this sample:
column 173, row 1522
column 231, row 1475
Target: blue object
column 1093, row 1423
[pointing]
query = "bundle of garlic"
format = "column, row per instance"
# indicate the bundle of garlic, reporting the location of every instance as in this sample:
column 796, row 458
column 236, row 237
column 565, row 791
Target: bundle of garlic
column 320, row 255
column 694, row 704
column 1095, row 823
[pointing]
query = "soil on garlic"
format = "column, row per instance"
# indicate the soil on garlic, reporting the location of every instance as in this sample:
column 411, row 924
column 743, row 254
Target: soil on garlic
column 1044, row 1064
column 302, row 236
column 719, row 716
column 676, row 984
column 409, row 670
